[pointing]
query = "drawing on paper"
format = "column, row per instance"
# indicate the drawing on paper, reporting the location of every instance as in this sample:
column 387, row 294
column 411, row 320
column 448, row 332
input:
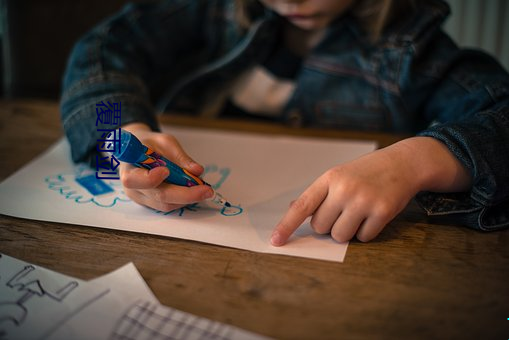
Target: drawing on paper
column 25, row 284
column 83, row 187
column 232, row 210
column 38, row 304
column 215, row 176
column 180, row 211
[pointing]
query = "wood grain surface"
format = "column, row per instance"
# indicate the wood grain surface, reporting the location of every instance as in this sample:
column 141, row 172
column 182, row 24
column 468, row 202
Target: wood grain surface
column 418, row 280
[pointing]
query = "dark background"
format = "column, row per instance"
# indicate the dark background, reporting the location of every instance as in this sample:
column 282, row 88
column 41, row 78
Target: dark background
column 37, row 37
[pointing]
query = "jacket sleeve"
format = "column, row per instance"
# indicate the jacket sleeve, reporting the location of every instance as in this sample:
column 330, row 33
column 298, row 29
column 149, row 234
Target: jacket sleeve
column 120, row 61
column 467, row 102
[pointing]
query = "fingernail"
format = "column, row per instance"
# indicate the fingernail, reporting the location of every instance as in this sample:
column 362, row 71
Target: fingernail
column 192, row 164
column 276, row 239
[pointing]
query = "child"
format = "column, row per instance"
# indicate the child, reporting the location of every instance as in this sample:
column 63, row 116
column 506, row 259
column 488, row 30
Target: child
column 379, row 65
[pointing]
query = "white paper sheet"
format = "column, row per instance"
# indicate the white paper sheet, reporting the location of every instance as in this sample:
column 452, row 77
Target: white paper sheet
column 261, row 174
column 36, row 303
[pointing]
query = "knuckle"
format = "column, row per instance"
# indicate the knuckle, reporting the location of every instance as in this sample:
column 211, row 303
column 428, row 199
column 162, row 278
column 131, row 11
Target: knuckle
column 126, row 181
column 168, row 138
column 158, row 139
column 302, row 204
column 181, row 158
column 363, row 200
column 383, row 211
column 345, row 189
column 319, row 228
column 337, row 177
column 330, row 174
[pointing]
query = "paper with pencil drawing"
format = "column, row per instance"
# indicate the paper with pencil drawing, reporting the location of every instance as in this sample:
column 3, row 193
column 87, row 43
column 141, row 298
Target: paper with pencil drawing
column 259, row 174
column 37, row 303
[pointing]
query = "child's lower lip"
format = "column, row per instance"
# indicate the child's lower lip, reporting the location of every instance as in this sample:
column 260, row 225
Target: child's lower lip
column 298, row 17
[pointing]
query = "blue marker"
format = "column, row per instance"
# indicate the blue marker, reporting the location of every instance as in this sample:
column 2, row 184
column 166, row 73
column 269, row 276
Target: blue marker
column 133, row 151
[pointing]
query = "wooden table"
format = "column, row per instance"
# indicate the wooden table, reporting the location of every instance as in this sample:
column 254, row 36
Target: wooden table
column 417, row 280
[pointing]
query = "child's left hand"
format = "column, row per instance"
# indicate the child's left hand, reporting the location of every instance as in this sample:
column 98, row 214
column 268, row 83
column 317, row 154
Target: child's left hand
column 359, row 198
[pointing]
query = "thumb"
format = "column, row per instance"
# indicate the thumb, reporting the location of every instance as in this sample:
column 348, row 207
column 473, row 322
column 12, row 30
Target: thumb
column 176, row 154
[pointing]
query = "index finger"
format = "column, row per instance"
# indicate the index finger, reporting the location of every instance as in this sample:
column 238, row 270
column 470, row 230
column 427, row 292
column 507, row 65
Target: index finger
column 299, row 210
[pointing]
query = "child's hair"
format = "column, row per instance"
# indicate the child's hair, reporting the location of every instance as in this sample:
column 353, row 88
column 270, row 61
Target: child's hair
column 373, row 15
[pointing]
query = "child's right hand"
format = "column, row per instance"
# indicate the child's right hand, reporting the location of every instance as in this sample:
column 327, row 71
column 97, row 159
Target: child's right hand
column 147, row 187
column 359, row 198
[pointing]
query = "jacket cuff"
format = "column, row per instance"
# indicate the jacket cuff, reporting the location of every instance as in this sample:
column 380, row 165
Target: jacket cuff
column 84, row 102
column 83, row 127
column 461, row 208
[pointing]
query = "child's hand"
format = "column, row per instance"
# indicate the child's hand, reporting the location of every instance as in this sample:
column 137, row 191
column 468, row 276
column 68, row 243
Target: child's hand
column 360, row 197
column 147, row 187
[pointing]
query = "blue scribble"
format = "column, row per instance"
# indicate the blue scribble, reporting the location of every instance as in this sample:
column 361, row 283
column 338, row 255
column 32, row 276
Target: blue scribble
column 66, row 186
column 210, row 172
column 233, row 210
column 180, row 211
column 223, row 172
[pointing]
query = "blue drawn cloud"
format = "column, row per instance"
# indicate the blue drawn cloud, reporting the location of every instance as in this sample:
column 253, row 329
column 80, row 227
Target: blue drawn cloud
column 66, row 185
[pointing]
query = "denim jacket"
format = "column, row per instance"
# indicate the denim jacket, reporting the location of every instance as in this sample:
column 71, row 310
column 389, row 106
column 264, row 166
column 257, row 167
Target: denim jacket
column 414, row 79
